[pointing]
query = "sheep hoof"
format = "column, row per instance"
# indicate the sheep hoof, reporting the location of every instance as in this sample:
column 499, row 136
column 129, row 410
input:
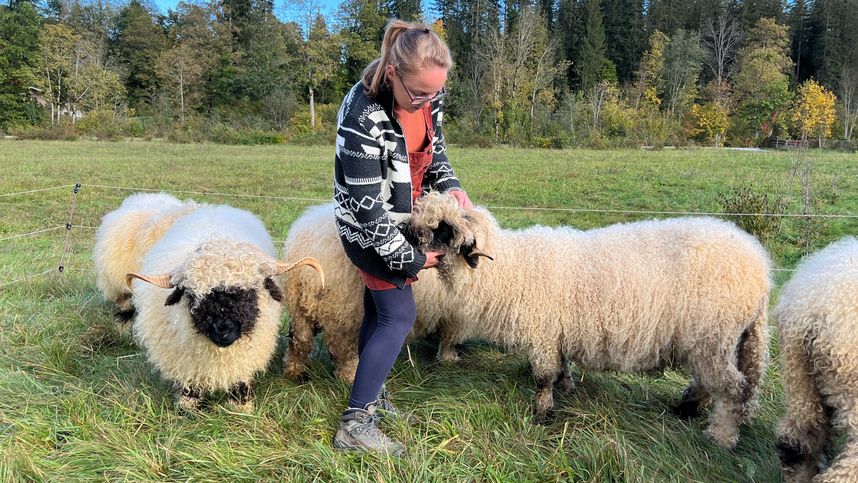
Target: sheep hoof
column 448, row 356
column 565, row 385
column 544, row 417
column 346, row 373
column 241, row 407
column 293, row 370
column 687, row 409
column 189, row 403
column 725, row 438
column 689, row 406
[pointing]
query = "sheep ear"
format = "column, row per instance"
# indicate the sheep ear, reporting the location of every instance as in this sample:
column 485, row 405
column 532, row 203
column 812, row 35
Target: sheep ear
column 175, row 297
column 283, row 267
column 162, row 280
column 273, row 289
column 472, row 255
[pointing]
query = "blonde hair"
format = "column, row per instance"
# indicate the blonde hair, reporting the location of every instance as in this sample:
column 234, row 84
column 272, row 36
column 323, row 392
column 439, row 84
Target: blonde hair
column 409, row 47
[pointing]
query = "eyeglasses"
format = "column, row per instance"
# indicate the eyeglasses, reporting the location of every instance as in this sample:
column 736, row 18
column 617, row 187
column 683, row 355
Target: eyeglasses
column 418, row 100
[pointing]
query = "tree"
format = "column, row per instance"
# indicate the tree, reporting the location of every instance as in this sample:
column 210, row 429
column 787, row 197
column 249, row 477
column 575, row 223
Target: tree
column 682, row 60
column 800, row 43
column 19, row 58
column 594, row 64
column 321, row 60
column 138, row 43
column 813, row 111
column 761, row 85
column 709, row 122
column 56, row 48
column 847, row 91
column 624, row 35
column 180, row 69
column 649, row 86
column 569, row 29
column 409, row 10
column 722, row 37
column 362, row 27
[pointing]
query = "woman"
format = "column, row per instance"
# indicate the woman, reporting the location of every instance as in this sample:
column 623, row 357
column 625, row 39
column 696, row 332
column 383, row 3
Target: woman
column 389, row 150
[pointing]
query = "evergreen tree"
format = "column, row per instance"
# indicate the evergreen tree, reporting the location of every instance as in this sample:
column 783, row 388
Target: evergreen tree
column 138, row 44
column 624, row 35
column 800, row 39
column 594, row 64
column 570, row 30
column 19, row 48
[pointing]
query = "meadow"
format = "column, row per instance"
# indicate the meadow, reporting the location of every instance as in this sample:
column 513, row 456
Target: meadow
column 78, row 402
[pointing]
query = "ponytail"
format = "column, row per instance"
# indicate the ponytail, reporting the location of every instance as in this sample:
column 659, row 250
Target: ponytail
column 408, row 47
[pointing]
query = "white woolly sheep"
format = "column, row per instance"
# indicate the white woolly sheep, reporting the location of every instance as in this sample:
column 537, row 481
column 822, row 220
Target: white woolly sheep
column 122, row 239
column 219, row 325
column 339, row 312
column 817, row 318
column 627, row 297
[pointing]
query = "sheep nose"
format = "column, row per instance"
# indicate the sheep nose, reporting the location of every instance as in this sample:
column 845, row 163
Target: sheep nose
column 224, row 332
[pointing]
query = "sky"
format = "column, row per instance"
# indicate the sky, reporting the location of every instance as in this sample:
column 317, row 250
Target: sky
column 328, row 6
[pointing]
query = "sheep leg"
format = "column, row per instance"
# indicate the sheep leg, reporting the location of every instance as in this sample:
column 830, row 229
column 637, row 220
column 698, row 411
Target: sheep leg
column 189, row 399
column 564, row 382
column 344, row 352
column 447, row 346
column 805, row 429
column 546, row 371
column 719, row 376
column 240, row 397
column 300, row 346
column 124, row 314
column 693, row 398
column 753, row 356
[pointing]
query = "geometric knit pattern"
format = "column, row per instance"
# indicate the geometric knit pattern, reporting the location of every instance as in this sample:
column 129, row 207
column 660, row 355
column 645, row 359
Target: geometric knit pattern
column 372, row 184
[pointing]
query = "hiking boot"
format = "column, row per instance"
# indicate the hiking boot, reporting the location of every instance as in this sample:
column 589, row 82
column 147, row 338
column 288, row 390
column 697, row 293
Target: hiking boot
column 386, row 409
column 358, row 432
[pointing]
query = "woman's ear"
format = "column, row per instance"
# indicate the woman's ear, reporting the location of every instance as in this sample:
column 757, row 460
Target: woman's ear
column 389, row 72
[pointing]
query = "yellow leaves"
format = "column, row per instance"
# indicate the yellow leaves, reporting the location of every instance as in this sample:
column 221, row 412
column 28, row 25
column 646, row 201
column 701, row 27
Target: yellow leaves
column 813, row 112
column 438, row 27
column 709, row 121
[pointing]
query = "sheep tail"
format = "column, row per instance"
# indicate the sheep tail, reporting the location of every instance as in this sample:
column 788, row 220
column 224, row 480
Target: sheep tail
column 753, row 357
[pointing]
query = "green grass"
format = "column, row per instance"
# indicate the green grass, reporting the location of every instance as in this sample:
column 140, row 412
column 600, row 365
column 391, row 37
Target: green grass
column 78, row 402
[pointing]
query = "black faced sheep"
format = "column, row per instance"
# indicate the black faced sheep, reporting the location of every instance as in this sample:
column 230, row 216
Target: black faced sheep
column 627, row 297
column 209, row 315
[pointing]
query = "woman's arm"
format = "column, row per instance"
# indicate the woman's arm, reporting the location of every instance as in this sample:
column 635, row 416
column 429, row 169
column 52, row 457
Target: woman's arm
column 440, row 174
column 360, row 157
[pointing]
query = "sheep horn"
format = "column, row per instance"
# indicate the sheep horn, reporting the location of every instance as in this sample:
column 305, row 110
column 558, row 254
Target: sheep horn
column 283, row 267
column 480, row 253
column 162, row 280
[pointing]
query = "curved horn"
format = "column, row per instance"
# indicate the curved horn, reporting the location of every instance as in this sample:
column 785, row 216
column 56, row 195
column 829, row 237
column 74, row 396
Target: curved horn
column 283, row 267
column 162, row 280
column 480, row 253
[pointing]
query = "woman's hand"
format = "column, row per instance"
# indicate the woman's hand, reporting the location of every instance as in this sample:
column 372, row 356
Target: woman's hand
column 432, row 259
column 463, row 199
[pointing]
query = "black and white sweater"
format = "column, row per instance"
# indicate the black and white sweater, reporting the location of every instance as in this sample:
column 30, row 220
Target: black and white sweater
column 372, row 184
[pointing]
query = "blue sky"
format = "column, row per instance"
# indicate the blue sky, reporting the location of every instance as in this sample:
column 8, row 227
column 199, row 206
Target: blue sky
column 329, row 6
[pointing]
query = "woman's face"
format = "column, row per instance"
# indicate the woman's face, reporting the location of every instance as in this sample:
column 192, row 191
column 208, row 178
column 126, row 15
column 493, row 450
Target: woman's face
column 424, row 83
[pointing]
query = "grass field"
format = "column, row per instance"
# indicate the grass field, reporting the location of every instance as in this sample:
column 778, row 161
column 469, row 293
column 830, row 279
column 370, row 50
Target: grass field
column 79, row 402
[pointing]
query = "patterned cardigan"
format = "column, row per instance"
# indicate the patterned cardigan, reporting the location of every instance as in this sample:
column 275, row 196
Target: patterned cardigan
column 372, row 184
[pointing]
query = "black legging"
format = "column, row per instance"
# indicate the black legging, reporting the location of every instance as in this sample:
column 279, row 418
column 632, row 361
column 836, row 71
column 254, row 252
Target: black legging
column 387, row 320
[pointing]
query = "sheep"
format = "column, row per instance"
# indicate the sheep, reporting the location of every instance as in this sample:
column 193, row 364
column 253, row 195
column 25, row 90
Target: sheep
column 627, row 297
column 219, row 324
column 122, row 239
column 339, row 311
column 817, row 320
